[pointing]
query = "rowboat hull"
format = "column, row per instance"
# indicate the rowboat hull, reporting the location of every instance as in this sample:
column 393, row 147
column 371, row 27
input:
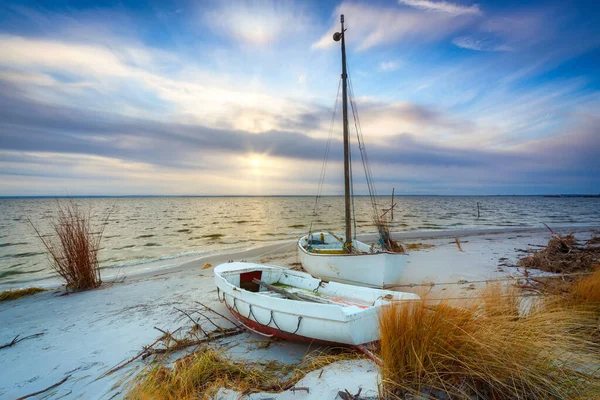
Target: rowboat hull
column 349, row 315
column 369, row 268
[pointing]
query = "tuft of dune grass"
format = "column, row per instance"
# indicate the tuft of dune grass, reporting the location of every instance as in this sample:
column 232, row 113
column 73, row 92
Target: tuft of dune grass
column 200, row 375
column 493, row 346
column 18, row 293
column 73, row 249
column 586, row 290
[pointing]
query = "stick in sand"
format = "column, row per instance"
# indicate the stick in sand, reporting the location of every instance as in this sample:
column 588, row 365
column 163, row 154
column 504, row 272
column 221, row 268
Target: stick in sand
column 45, row 390
column 458, row 244
column 17, row 340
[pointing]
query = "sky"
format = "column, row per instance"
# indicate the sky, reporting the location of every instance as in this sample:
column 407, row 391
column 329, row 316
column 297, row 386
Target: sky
column 454, row 97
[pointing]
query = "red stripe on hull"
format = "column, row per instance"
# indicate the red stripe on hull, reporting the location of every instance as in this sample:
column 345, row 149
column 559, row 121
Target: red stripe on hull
column 279, row 333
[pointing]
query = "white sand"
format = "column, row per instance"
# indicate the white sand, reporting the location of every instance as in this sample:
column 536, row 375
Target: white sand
column 86, row 334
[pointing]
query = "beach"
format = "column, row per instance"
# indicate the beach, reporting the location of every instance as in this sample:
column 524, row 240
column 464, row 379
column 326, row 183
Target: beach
column 86, row 334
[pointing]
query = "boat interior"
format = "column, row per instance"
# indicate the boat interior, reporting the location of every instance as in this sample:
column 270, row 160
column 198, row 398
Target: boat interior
column 278, row 283
column 328, row 243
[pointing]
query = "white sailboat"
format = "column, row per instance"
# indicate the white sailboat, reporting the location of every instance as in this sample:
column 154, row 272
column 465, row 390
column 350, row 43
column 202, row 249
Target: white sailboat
column 292, row 305
column 342, row 258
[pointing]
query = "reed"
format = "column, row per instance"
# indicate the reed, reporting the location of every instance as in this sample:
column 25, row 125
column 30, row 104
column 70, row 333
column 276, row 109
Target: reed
column 490, row 347
column 73, row 249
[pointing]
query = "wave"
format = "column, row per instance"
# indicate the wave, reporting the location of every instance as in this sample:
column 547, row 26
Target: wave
column 13, row 244
column 21, row 255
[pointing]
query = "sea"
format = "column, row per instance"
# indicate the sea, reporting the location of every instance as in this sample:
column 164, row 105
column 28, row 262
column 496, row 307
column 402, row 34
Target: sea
column 156, row 231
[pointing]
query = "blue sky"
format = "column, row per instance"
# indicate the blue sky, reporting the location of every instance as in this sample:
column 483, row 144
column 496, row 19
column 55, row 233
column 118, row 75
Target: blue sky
column 225, row 97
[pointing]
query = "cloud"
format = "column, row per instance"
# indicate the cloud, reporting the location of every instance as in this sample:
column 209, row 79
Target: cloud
column 103, row 75
column 369, row 26
column 471, row 43
column 57, row 148
column 257, row 23
column 99, row 112
column 443, row 6
column 389, row 65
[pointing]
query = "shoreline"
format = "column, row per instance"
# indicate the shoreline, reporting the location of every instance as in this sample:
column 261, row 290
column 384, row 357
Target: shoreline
column 85, row 334
column 169, row 263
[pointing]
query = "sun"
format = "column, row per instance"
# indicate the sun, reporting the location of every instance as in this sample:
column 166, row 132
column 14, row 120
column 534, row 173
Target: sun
column 255, row 161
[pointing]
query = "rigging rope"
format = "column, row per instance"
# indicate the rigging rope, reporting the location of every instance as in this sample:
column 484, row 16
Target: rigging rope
column 327, row 147
column 363, row 154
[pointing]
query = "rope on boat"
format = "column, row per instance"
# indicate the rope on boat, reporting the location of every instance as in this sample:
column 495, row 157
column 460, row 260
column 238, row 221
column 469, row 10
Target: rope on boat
column 251, row 314
column 235, row 307
column 298, row 327
column 219, row 296
column 320, row 285
column 327, row 147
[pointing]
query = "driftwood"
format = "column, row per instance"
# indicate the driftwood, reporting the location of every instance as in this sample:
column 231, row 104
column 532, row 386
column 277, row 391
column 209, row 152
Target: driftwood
column 150, row 350
column 346, row 395
column 17, row 340
column 45, row 390
column 181, row 344
column 294, row 389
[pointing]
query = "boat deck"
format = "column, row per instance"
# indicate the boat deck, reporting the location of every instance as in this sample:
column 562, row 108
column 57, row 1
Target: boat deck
column 320, row 298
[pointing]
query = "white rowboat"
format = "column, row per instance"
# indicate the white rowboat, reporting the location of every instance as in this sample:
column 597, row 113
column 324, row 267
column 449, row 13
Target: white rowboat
column 330, row 313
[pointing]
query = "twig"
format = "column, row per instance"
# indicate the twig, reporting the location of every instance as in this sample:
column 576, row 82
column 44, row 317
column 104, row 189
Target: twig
column 458, row 244
column 183, row 344
column 209, row 320
column 300, row 388
column 16, row 340
column 219, row 314
column 550, row 229
column 45, row 390
column 196, row 324
column 132, row 359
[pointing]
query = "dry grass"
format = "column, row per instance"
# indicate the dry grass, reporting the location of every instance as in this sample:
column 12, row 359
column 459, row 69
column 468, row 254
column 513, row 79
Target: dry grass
column 418, row 246
column 586, row 290
column 200, row 375
column 18, row 293
column 563, row 255
column 492, row 347
column 73, row 250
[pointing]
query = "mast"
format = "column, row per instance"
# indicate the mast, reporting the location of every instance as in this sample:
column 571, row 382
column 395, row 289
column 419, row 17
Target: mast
column 337, row 36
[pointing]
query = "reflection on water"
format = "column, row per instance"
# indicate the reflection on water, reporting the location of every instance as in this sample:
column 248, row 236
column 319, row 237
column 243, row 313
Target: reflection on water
column 145, row 229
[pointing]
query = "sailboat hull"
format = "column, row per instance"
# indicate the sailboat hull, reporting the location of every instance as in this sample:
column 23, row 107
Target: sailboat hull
column 372, row 269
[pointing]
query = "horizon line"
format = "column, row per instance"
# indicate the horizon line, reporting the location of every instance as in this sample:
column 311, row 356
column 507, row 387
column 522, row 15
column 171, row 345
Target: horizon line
column 291, row 195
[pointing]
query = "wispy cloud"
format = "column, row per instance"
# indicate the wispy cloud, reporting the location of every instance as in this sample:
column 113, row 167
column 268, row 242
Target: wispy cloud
column 443, row 6
column 371, row 26
column 389, row 65
column 472, row 43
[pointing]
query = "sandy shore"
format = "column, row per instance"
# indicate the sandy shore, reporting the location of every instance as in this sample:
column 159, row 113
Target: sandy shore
column 86, row 334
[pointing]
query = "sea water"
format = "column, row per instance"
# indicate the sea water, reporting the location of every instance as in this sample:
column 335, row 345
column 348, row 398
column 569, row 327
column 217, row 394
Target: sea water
column 141, row 230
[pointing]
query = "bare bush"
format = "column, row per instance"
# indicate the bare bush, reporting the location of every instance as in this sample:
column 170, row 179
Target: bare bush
column 73, row 249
